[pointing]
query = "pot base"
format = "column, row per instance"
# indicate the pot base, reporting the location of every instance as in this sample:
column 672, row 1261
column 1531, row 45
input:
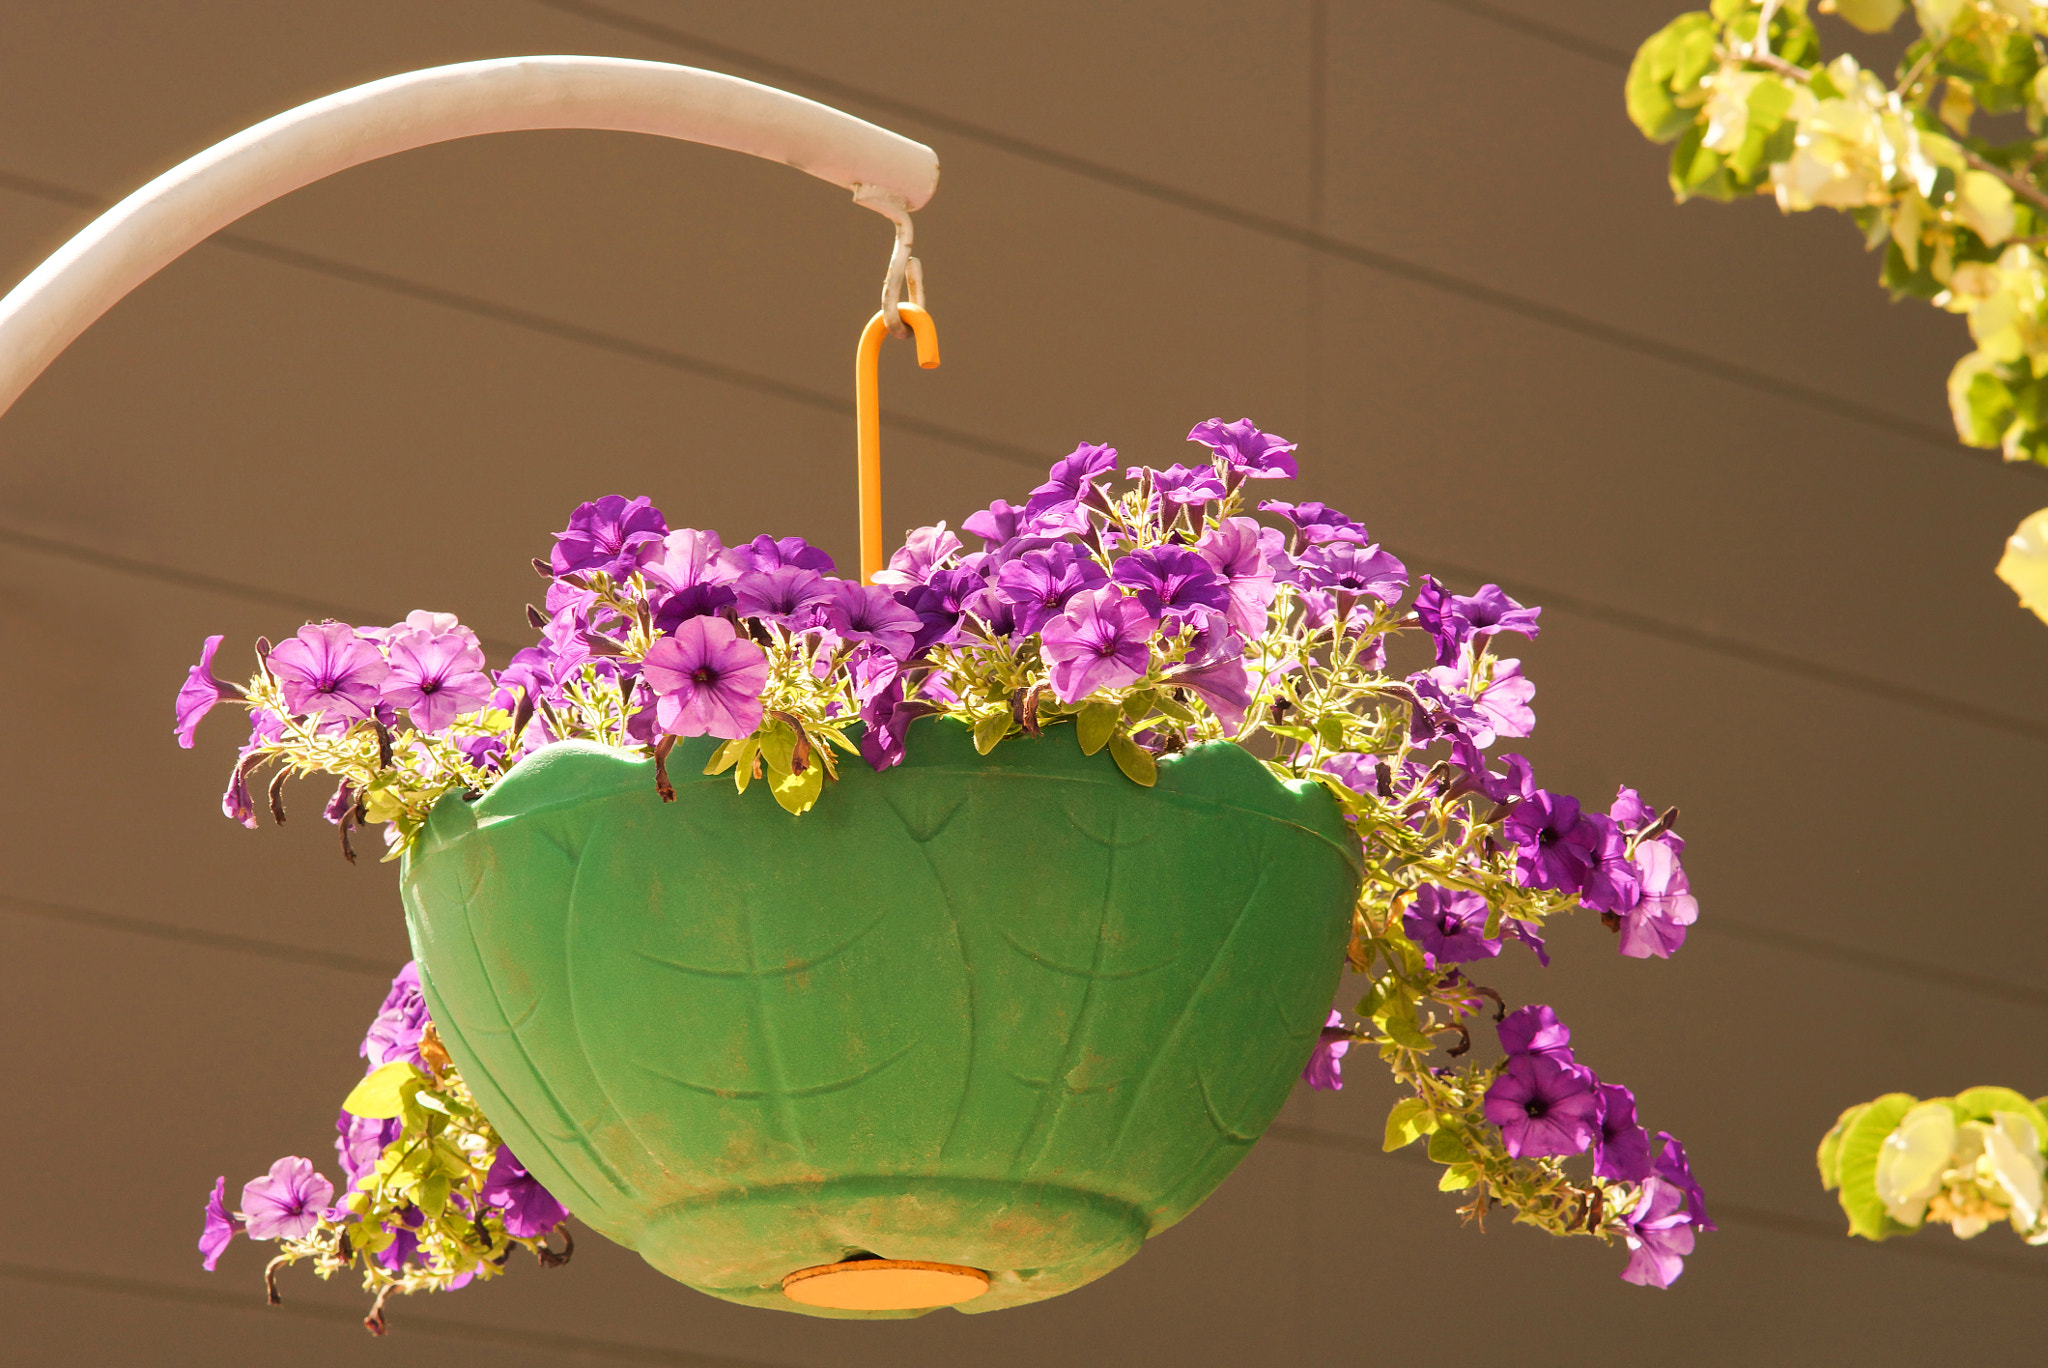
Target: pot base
column 884, row 1285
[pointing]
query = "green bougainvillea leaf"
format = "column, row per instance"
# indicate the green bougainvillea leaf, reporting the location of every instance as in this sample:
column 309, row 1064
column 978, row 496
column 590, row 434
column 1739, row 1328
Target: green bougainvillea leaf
column 1857, row 1166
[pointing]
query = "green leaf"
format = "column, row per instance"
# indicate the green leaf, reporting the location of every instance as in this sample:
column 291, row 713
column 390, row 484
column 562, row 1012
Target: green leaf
column 1408, row 1122
column 778, row 748
column 1134, row 760
column 1977, row 1104
column 1872, row 16
column 723, row 759
column 1457, row 1178
column 1330, row 731
column 433, row 1194
column 1830, row 1155
column 796, row 792
column 384, row 1093
column 1856, row 1166
column 1401, row 1028
column 1174, row 708
column 990, row 730
column 1669, row 63
column 1446, row 1148
column 743, row 772
column 1096, row 724
column 1135, row 704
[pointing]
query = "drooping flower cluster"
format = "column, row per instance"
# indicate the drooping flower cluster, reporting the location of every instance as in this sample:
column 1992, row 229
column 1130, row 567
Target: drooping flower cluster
column 434, row 1198
column 1968, row 1162
column 1152, row 614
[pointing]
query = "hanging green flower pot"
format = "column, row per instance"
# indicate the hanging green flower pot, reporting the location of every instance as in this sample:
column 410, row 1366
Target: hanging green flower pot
column 1008, row 1012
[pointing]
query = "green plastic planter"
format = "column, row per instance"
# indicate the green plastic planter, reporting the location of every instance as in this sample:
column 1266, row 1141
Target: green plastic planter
column 1011, row 1012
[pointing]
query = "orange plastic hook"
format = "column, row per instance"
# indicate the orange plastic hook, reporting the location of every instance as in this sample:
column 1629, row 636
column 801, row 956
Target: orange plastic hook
column 867, row 402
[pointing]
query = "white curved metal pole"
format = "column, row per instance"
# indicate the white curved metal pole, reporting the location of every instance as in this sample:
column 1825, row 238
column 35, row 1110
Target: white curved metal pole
column 195, row 199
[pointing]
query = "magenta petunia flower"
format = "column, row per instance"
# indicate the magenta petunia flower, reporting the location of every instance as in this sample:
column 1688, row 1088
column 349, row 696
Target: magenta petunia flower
column 1056, row 505
column 869, row 612
column 1314, row 523
column 1535, row 1029
column 530, row 1209
column 220, row 1227
column 1181, row 486
column 1556, row 846
column 1237, row 550
column 1622, row 1151
column 608, row 535
column 1544, row 1106
column 1347, row 567
column 1220, row 681
column 1448, row 926
column 781, row 593
column 1249, row 453
column 1099, row 642
column 1000, row 522
column 1452, row 620
column 1674, row 1168
column 1038, row 584
column 924, row 550
column 1325, row 1064
column 1656, row 924
column 400, row 1022
column 707, row 680
column 772, row 553
column 436, row 676
column 287, row 1204
column 1660, row 1235
column 329, row 670
column 1611, row 882
column 1172, row 582
column 200, row 692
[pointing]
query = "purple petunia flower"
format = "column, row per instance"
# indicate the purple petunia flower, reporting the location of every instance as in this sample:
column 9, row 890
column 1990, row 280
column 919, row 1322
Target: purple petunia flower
column 1518, row 782
column 1326, row 1062
column 1448, row 926
column 285, row 1205
column 1673, row 1167
column 608, row 535
column 1656, row 924
column 938, row 604
column 1499, row 709
column 200, row 692
column 885, row 717
column 1217, row 676
column 220, row 1227
column 1535, row 1029
column 1247, row 452
column 1452, row 620
column 1659, row 1235
column 436, row 676
column 1611, row 883
column 328, row 670
column 772, row 553
column 1347, row 567
column 1556, row 844
column 1237, row 550
column 1172, row 581
column 1180, row 486
column 1543, row 1106
column 1622, row 1151
column 924, row 550
column 1000, row 522
column 707, row 680
column 530, row 1209
column 689, row 574
column 780, row 594
column 1055, row 506
column 361, row 1141
column 1038, row 584
column 869, row 612
column 400, row 1022
column 1099, row 642
column 1314, row 523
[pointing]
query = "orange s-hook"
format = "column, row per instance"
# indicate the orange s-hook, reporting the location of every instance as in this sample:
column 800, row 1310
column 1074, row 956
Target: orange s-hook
column 867, row 392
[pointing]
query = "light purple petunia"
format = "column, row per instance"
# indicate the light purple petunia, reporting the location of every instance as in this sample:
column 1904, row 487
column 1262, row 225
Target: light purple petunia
column 400, row 1023
column 1544, row 1106
column 530, row 1209
column 1213, row 671
column 1038, row 584
column 436, row 676
column 1535, row 1029
column 1246, row 452
column 328, row 670
column 1237, row 550
column 1501, row 708
column 1659, row 1235
column 1622, row 1151
column 1656, row 924
column 200, row 692
column 608, row 535
column 1326, row 1062
column 287, row 1204
column 1099, row 642
column 220, row 1227
column 780, row 594
column 1448, row 926
column 1172, row 582
column 1347, row 567
column 924, row 550
column 869, row 612
column 707, row 680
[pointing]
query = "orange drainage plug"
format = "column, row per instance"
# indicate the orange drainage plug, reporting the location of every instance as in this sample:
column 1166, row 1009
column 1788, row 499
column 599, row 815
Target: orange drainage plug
column 885, row 1284
column 867, row 402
